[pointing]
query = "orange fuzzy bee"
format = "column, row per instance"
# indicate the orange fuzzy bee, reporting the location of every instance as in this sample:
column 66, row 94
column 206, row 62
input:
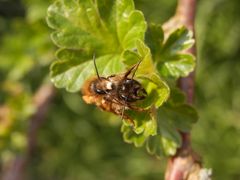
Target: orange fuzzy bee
column 114, row 93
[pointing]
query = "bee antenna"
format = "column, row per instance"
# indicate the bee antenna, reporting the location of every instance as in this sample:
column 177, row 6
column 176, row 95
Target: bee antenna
column 136, row 68
column 94, row 61
column 131, row 69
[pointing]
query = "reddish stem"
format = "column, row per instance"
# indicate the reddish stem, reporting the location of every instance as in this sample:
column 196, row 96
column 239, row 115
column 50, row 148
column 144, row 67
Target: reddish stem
column 185, row 164
column 42, row 99
column 15, row 170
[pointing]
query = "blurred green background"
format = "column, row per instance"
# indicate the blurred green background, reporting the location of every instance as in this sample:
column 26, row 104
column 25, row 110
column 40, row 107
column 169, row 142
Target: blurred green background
column 78, row 141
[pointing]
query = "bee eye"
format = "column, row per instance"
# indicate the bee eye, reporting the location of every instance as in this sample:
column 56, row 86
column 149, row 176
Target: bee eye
column 96, row 87
column 99, row 91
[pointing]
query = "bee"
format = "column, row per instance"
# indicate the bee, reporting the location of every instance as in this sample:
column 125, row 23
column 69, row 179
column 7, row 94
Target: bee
column 115, row 93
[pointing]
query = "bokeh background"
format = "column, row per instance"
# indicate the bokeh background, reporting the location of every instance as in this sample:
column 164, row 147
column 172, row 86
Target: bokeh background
column 77, row 141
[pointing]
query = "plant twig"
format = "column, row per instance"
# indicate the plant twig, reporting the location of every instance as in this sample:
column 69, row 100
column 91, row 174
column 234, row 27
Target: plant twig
column 186, row 164
column 42, row 98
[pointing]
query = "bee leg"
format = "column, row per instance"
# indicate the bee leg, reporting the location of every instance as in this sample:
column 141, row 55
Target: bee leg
column 126, row 117
column 122, row 114
column 136, row 108
column 105, row 104
column 116, row 108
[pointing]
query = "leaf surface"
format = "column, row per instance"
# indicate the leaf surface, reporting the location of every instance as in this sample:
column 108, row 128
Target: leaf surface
column 82, row 28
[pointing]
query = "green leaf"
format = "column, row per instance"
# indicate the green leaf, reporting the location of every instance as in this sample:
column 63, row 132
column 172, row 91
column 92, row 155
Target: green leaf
column 82, row 28
column 157, row 89
column 180, row 39
column 154, row 37
column 179, row 65
column 114, row 32
column 154, row 146
column 146, row 66
column 171, row 60
column 176, row 116
column 182, row 116
column 161, row 146
column 141, row 53
column 166, row 128
column 169, row 146
column 159, row 129
column 130, row 25
column 172, row 117
column 145, row 125
column 177, row 97
column 144, row 122
column 131, row 57
column 160, row 137
column 130, row 136
column 76, row 73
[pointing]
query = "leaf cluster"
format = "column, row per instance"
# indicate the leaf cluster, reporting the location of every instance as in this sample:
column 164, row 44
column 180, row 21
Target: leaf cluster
column 120, row 37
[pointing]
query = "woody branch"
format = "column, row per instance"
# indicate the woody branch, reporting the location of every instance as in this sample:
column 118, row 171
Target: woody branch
column 42, row 99
column 186, row 163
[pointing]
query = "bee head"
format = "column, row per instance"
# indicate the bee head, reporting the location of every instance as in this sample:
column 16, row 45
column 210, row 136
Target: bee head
column 131, row 90
column 102, row 86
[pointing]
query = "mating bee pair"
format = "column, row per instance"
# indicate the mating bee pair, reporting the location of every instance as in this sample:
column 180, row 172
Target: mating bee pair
column 115, row 93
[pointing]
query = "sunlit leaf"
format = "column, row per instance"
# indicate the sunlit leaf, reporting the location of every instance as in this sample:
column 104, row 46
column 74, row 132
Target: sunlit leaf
column 76, row 73
column 130, row 136
column 177, row 66
column 180, row 39
column 114, row 32
column 86, row 27
column 154, row 146
column 154, row 38
column 157, row 90
column 172, row 61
